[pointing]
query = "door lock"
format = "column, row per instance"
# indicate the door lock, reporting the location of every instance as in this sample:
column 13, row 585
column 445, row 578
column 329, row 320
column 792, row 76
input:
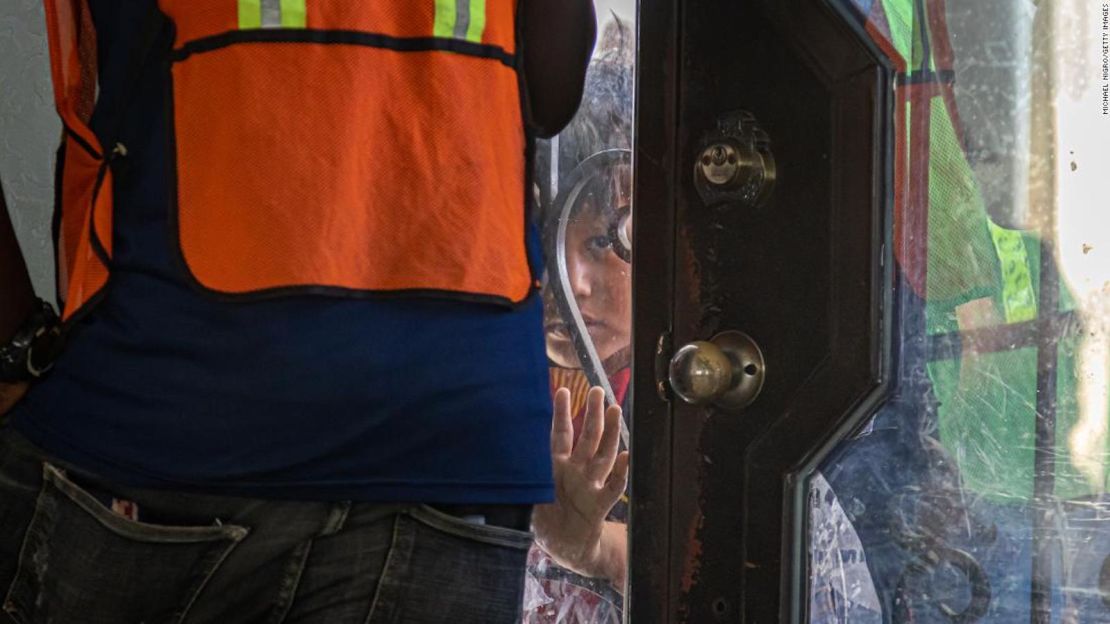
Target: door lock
column 735, row 164
column 726, row 372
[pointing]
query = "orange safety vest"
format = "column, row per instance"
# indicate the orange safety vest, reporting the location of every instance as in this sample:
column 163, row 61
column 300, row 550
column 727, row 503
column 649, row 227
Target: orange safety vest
column 323, row 146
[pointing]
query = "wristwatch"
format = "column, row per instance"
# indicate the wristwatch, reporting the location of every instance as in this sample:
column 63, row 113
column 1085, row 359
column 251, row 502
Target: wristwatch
column 31, row 353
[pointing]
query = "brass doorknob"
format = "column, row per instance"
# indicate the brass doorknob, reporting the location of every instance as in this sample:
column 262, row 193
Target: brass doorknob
column 726, row 372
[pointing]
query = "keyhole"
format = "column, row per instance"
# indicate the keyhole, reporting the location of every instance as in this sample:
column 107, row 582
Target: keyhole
column 720, row 608
column 719, row 155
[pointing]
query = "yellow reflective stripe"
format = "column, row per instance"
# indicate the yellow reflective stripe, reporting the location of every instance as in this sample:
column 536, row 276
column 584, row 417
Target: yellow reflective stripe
column 272, row 14
column 446, row 12
column 1018, row 297
column 477, row 27
column 908, row 33
column 460, row 19
column 250, row 14
column 900, row 21
column 294, row 14
column 917, row 47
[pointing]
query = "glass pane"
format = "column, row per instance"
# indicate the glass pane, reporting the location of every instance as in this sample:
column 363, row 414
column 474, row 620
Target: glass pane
column 583, row 183
column 977, row 493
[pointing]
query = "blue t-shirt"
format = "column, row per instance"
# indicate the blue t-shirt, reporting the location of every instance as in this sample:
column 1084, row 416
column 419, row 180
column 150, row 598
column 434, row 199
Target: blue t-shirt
column 306, row 397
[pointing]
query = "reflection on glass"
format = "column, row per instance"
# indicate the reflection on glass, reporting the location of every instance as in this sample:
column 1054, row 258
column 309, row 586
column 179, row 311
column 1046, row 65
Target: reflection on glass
column 977, row 493
column 584, row 188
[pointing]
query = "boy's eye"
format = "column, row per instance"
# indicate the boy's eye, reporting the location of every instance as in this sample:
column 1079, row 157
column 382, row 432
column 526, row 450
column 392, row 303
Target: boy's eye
column 598, row 243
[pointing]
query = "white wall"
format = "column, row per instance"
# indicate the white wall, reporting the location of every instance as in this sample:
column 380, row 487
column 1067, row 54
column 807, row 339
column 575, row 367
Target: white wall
column 29, row 134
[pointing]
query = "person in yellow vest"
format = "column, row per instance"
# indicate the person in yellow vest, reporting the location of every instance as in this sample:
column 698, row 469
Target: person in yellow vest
column 304, row 376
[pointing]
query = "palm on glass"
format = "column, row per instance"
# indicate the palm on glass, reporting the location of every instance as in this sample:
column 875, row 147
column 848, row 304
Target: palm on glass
column 590, row 477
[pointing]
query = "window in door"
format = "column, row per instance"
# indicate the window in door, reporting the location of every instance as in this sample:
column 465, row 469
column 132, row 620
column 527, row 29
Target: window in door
column 977, row 492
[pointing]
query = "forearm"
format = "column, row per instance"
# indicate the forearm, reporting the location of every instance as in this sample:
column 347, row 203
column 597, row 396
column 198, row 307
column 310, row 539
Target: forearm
column 16, row 294
column 558, row 40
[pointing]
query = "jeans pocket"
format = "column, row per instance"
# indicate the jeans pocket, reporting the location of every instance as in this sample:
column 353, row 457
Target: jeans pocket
column 82, row 562
column 444, row 569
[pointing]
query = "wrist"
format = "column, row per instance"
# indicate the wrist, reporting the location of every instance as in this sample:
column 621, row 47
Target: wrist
column 571, row 550
column 608, row 558
column 613, row 564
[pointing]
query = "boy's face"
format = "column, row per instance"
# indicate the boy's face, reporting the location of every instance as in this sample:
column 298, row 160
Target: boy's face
column 601, row 283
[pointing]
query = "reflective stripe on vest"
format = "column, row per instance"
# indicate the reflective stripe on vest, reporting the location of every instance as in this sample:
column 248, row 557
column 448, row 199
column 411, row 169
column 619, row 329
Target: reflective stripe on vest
column 320, row 147
column 454, row 19
column 461, row 19
column 272, row 14
column 1019, row 300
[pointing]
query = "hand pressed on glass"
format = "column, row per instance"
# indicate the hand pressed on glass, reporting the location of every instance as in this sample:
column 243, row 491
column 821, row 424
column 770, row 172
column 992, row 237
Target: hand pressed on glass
column 590, row 477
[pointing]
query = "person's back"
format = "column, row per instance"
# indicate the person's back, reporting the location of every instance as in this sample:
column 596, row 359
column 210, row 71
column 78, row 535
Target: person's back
column 316, row 280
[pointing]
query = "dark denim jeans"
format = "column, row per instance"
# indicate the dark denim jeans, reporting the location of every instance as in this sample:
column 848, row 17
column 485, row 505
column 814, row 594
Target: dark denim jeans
column 66, row 557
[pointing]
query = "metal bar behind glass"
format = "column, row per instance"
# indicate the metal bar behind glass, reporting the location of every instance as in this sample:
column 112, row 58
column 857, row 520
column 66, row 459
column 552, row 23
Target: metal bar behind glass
column 1044, row 475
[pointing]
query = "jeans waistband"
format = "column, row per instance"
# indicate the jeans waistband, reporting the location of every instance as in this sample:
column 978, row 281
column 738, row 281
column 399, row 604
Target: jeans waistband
column 517, row 517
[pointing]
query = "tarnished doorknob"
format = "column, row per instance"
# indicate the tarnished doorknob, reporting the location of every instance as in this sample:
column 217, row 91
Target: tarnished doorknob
column 726, row 372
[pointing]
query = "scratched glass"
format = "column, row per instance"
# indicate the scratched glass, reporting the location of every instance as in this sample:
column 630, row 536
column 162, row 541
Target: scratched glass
column 583, row 185
column 977, row 492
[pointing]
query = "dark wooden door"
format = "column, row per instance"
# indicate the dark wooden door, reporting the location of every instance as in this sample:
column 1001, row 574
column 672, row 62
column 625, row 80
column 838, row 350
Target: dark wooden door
column 762, row 182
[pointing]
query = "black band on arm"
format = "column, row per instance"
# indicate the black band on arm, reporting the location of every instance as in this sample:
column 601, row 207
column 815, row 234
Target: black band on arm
column 557, row 40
